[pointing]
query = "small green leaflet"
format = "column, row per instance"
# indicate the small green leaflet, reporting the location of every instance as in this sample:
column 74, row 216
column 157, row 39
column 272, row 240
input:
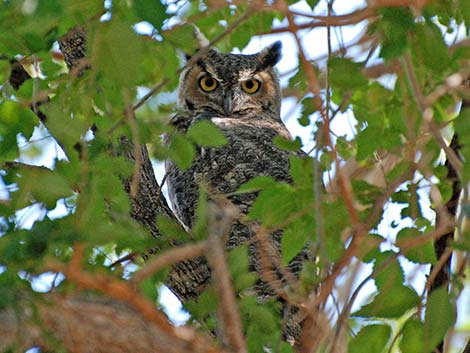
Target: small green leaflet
column 440, row 317
column 287, row 144
column 152, row 11
column 170, row 228
column 116, row 52
column 387, row 271
column 404, row 298
column 206, row 134
column 181, row 151
column 412, row 340
column 261, row 182
column 294, row 238
column 422, row 254
column 374, row 337
column 14, row 119
column 346, row 74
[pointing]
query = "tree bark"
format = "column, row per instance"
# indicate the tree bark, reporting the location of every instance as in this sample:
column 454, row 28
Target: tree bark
column 88, row 323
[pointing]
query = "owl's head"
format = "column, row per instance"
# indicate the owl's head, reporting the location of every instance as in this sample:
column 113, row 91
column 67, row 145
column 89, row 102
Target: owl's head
column 232, row 85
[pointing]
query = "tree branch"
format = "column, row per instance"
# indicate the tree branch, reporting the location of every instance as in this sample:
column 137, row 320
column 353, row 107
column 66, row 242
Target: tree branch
column 88, row 323
column 221, row 216
column 172, row 256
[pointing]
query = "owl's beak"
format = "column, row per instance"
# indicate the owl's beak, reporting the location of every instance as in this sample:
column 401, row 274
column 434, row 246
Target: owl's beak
column 228, row 107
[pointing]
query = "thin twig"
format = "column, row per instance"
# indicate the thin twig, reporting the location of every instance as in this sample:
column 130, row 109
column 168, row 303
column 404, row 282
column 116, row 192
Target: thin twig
column 221, row 216
column 380, row 202
column 426, row 109
column 138, row 160
column 268, row 269
column 168, row 258
column 409, row 243
column 451, row 156
column 436, row 269
column 12, row 165
column 151, row 93
column 324, row 21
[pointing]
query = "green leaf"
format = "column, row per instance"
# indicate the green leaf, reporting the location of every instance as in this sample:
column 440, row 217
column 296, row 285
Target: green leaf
column 392, row 303
column 344, row 147
column 34, row 42
column 239, row 263
column 396, row 24
column 116, row 52
column 288, row 144
column 182, row 38
column 238, row 260
column 430, row 48
column 66, row 129
column 200, row 223
column 148, row 288
column 273, row 206
column 14, row 119
column 412, row 340
column 40, row 185
column 299, row 82
column 37, row 242
column 10, row 284
column 374, row 337
column 462, row 125
column 439, row 318
column 152, row 11
column 422, row 254
column 309, row 277
column 312, row 3
column 262, row 323
column 301, row 170
column 335, row 220
column 294, row 238
column 308, row 108
column 260, row 23
column 387, row 270
column 204, row 306
column 206, row 134
column 261, row 182
column 170, row 228
column 181, row 151
column 465, row 11
column 286, row 348
column 370, row 139
column 346, row 74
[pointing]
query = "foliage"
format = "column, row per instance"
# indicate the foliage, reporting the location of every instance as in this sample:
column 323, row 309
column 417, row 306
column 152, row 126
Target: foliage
column 402, row 86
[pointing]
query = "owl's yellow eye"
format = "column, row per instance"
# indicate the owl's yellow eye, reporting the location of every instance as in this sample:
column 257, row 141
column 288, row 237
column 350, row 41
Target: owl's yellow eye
column 251, row 86
column 208, row 84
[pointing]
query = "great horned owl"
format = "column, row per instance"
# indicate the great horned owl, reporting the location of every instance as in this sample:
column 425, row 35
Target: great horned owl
column 241, row 95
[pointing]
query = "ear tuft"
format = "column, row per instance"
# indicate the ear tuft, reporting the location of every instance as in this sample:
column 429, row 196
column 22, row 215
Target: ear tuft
column 202, row 41
column 270, row 55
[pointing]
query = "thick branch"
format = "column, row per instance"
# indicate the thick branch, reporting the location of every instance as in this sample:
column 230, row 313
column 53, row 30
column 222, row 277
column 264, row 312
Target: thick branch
column 86, row 323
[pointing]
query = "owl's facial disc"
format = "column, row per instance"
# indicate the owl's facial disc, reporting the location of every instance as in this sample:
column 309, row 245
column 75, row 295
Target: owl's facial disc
column 233, row 85
column 234, row 96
